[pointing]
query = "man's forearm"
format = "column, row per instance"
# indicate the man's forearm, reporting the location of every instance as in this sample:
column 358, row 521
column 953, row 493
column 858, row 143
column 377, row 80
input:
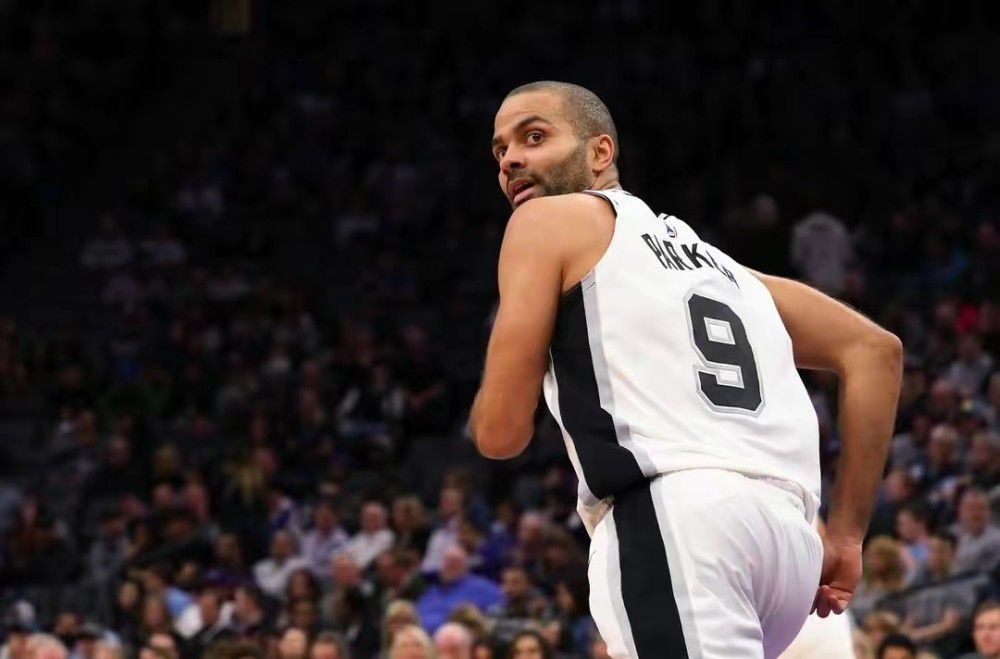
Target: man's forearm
column 869, row 392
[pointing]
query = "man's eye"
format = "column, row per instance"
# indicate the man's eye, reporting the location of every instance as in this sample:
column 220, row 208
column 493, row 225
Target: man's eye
column 500, row 152
column 534, row 137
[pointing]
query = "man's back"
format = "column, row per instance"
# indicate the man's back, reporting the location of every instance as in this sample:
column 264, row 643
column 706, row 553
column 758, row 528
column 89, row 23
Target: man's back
column 669, row 355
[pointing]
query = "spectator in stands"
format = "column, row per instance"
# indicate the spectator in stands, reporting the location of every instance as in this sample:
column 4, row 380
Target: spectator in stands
column 272, row 573
column 984, row 460
column 972, row 366
column 575, row 625
column 105, row 650
column 156, row 618
column 398, row 614
column 250, row 617
column 517, row 612
column 941, row 462
column 884, row 574
column 293, row 644
column 411, row 642
column 214, row 627
column 451, row 517
column 897, row 646
column 374, row 536
column 160, row 646
column 398, row 576
column 986, row 632
column 978, row 536
column 157, row 583
column 325, row 539
column 453, row 641
column 935, row 610
column 880, row 624
column 912, row 527
column 456, row 586
column 529, row 644
column 44, row 646
column 409, row 521
column 327, row 645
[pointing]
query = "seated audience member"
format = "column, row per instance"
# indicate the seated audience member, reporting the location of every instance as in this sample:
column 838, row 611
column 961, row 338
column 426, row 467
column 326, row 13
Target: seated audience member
column 373, row 538
column 455, row 587
column 978, row 537
column 986, row 632
column 453, row 641
column 934, row 611
column 897, row 646
column 272, row 573
column 325, row 539
column 530, row 644
column 411, row 642
column 328, row 645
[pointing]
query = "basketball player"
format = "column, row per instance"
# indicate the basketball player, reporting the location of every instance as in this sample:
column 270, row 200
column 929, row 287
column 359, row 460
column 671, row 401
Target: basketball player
column 671, row 370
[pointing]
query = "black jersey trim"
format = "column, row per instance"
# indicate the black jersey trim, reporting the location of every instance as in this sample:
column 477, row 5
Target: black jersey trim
column 607, row 466
column 647, row 587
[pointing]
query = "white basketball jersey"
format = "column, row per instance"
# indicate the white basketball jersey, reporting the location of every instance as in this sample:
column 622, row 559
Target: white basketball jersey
column 669, row 355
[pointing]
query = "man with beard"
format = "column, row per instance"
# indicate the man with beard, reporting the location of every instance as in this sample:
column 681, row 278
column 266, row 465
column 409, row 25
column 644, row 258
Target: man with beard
column 671, row 370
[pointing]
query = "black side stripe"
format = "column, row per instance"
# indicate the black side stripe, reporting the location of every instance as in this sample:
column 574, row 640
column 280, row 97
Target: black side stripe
column 647, row 589
column 607, row 466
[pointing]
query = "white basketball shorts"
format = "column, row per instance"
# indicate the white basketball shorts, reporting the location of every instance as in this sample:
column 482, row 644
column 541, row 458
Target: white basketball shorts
column 703, row 564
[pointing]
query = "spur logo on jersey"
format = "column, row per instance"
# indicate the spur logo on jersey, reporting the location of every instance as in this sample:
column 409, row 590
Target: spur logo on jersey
column 695, row 255
column 671, row 231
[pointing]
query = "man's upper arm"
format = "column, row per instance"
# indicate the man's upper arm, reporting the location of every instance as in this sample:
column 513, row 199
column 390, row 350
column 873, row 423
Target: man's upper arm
column 824, row 332
column 530, row 281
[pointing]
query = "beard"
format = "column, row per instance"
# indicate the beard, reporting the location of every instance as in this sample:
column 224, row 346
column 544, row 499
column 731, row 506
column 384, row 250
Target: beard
column 571, row 175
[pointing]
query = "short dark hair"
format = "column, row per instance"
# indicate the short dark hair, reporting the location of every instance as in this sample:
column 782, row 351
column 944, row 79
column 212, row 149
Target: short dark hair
column 986, row 607
column 896, row 641
column 586, row 111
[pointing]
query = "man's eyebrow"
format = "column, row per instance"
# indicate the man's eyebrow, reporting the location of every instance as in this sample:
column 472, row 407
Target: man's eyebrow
column 521, row 124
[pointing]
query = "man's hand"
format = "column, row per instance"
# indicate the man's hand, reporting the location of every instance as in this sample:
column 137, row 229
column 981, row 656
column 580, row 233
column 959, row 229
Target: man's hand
column 840, row 576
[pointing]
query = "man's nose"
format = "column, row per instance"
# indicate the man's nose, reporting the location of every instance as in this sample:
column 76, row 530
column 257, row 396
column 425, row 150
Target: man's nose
column 512, row 161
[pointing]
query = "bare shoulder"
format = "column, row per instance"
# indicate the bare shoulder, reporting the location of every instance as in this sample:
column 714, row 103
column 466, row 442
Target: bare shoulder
column 570, row 221
column 573, row 230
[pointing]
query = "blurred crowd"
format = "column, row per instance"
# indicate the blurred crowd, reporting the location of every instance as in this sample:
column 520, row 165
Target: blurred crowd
column 261, row 451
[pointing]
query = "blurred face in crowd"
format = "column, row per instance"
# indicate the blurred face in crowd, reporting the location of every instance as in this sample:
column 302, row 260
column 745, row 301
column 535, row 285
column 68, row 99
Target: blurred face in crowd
column 453, row 641
column 410, row 643
column 44, row 649
column 373, row 517
column 227, row 549
column 208, row 606
column 282, row 546
column 163, row 643
column 939, row 556
column 909, row 527
column 345, row 571
column 324, row 651
column 897, row 486
column 538, row 149
column 986, row 633
column 454, row 564
column 974, row 512
column 293, row 644
column 325, row 518
column 155, row 614
column 942, row 446
column 527, row 647
column 304, row 614
column 17, row 643
column 983, row 454
column 515, row 584
column 405, row 513
column 451, row 502
column 897, row 653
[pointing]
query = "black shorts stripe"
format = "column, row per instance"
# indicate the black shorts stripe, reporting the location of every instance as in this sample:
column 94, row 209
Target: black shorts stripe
column 647, row 589
column 607, row 466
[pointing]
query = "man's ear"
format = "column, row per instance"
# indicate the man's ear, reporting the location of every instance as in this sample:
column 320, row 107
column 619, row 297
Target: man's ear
column 601, row 152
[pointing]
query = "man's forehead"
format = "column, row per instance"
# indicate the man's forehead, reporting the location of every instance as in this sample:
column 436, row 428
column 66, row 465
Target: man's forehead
column 517, row 108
